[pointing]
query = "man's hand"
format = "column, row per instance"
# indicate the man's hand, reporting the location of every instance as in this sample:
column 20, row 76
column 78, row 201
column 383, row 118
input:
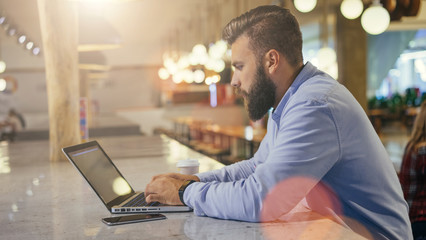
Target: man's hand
column 164, row 190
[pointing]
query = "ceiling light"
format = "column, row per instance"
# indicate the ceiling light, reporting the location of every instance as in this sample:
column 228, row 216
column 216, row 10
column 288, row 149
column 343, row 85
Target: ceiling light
column 22, row 39
column 326, row 56
column 218, row 49
column 178, row 77
column 199, row 76
column 183, row 62
column 199, row 50
column 29, row 45
column 305, row 5
column 2, row 66
column 3, row 84
column 208, row 81
column 163, row 73
column 170, row 65
column 188, row 76
column 36, row 51
column 375, row 19
column 11, row 31
column 351, row 9
column 219, row 65
column 215, row 78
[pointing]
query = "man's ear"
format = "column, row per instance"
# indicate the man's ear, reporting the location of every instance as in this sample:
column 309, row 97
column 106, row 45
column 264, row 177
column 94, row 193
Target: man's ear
column 272, row 58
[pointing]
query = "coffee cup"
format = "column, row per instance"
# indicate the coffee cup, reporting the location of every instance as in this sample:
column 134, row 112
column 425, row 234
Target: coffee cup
column 188, row 166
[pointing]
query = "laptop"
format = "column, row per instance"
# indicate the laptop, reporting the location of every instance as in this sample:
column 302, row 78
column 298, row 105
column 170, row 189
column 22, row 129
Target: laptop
column 109, row 184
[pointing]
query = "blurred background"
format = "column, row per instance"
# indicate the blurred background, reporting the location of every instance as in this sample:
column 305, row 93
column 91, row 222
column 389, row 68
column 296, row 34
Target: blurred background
column 146, row 63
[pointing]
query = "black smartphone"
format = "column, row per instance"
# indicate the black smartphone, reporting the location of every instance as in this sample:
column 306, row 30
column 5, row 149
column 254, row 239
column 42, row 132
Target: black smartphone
column 110, row 221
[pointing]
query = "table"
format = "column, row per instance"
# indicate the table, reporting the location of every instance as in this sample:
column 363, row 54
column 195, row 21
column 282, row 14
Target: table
column 376, row 117
column 237, row 141
column 43, row 200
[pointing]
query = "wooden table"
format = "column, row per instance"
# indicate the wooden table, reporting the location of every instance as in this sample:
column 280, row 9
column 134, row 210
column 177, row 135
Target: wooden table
column 239, row 142
column 44, row 200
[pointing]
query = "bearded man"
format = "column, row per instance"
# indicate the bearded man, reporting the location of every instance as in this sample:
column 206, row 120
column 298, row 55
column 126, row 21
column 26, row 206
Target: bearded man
column 320, row 147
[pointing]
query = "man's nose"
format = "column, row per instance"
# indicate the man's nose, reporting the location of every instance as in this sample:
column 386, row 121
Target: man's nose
column 235, row 82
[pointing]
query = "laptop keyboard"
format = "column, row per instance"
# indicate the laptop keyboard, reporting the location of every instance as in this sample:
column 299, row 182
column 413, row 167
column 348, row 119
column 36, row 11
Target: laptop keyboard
column 140, row 201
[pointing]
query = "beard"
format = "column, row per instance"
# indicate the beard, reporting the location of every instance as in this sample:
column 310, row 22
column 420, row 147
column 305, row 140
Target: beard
column 261, row 96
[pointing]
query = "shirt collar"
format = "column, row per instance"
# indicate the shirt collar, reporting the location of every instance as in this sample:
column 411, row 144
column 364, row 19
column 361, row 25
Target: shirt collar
column 307, row 72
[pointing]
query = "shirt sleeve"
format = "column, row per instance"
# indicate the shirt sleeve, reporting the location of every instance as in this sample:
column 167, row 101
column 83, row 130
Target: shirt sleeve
column 229, row 173
column 305, row 146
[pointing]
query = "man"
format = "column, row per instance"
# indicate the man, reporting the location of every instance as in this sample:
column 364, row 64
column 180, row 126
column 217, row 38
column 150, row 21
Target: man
column 320, row 146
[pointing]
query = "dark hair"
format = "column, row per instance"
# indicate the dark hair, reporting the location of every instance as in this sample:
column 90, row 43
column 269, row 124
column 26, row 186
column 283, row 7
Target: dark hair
column 268, row 27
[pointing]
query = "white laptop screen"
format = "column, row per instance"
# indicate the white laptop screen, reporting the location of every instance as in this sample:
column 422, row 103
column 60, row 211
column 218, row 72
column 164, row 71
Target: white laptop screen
column 100, row 173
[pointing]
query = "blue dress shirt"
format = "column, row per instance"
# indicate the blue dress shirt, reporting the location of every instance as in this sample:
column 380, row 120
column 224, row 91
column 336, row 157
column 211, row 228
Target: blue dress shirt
column 320, row 146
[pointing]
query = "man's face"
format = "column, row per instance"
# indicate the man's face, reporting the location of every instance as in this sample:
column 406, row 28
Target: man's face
column 251, row 81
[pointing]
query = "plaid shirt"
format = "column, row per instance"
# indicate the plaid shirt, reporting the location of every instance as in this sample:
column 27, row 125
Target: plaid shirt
column 413, row 181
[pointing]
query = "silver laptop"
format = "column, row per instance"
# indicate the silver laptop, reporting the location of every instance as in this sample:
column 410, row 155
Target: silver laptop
column 109, row 184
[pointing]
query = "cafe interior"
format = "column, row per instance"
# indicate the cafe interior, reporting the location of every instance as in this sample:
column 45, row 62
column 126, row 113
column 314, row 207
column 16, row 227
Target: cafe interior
column 150, row 81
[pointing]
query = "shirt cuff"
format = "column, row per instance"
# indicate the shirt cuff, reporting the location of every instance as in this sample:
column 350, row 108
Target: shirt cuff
column 188, row 198
column 187, row 195
column 204, row 177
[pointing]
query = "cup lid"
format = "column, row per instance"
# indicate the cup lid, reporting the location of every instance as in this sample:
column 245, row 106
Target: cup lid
column 188, row 163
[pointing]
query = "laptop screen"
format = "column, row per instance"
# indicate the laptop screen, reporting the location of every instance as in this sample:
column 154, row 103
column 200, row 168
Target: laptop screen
column 100, row 172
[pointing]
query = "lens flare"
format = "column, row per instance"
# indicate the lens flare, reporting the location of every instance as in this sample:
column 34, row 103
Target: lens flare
column 312, row 205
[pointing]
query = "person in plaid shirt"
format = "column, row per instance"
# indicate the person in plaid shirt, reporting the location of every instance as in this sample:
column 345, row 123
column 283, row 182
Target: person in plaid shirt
column 413, row 175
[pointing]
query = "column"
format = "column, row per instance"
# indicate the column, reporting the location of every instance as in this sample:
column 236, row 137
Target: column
column 59, row 30
column 351, row 40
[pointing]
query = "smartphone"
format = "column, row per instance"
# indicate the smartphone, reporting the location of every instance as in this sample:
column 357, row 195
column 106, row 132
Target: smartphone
column 110, row 221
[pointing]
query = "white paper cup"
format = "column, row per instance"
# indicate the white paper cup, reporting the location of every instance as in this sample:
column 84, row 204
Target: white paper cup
column 188, row 166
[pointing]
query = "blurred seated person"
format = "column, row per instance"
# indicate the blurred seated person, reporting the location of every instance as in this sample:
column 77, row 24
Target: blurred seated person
column 413, row 177
column 11, row 125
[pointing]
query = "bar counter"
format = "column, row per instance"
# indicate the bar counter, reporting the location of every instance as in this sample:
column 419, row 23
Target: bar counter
column 44, row 200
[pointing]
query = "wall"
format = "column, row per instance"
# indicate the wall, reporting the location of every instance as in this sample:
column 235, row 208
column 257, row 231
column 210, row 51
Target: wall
column 128, row 87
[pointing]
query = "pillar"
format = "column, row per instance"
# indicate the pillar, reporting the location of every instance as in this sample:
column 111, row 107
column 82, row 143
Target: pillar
column 351, row 41
column 59, row 31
